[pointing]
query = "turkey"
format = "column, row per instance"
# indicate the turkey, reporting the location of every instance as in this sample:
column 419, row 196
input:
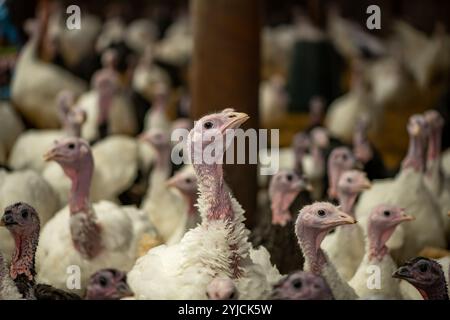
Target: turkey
column 147, row 76
column 159, row 195
column 275, row 230
column 434, row 178
column 347, row 258
column 108, row 109
column 222, row 288
column 344, row 112
column 301, row 285
column 382, row 223
column 31, row 145
column 26, row 186
column 407, row 190
column 108, row 284
column 426, row 276
column 34, row 96
column 219, row 245
column 93, row 237
column 340, row 160
column 313, row 223
column 22, row 221
column 116, row 159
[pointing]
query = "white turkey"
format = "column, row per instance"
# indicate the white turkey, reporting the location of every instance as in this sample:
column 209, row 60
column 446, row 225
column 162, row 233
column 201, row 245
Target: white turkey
column 31, row 145
column 434, row 178
column 91, row 236
column 26, row 186
column 377, row 261
column 408, row 190
column 347, row 258
column 313, row 223
column 36, row 83
column 218, row 246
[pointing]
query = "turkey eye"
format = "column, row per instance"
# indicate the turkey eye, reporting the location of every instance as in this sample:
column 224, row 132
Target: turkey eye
column 423, row 267
column 321, row 213
column 103, row 281
column 289, row 177
column 24, row 213
column 344, row 157
column 349, row 179
column 208, row 125
column 188, row 180
column 232, row 295
column 71, row 146
column 387, row 213
column 297, row 284
column 232, row 116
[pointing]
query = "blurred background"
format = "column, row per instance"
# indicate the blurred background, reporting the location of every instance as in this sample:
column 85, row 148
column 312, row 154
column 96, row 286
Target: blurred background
column 291, row 65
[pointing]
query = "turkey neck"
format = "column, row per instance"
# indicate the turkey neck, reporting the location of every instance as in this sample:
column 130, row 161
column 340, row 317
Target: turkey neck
column 415, row 157
column 347, row 201
column 436, row 292
column 86, row 233
column 377, row 239
column 309, row 240
column 22, row 269
column 334, row 173
column 434, row 144
column 214, row 191
column 162, row 162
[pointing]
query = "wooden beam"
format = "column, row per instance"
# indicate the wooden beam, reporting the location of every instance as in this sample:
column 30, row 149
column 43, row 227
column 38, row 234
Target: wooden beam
column 225, row 73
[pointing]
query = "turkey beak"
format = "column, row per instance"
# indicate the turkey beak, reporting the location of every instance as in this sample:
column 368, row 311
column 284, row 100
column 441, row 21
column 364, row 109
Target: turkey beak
column 124, row 290
column 235, row 120
column 343, row 218
column 50, row 154
column 366, row 184
column 402, row 273
column 405, row 217
column 172, row 182
column 2, row 223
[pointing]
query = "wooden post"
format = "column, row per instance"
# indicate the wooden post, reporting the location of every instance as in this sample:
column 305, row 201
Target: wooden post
column 225, row 73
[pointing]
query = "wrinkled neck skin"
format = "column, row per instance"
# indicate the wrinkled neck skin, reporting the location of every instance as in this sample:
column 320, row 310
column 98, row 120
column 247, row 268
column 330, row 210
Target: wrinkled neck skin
column 436, row 292
column 213, row 189
column 86, row 233
column 22, row 269
column 347, row 201
column 22, row 262
column 377, row 248
column 415, row 157
column 309, row 241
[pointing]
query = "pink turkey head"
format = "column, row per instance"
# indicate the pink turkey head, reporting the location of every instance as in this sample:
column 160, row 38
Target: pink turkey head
column 71, row 154
column 214, row 131
column 340, row 160
column 353, row 182
column 382, row 223
column 284, row 188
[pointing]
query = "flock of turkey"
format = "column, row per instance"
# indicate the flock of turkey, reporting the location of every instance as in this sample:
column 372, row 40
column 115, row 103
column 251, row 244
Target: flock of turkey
column 85, row 189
